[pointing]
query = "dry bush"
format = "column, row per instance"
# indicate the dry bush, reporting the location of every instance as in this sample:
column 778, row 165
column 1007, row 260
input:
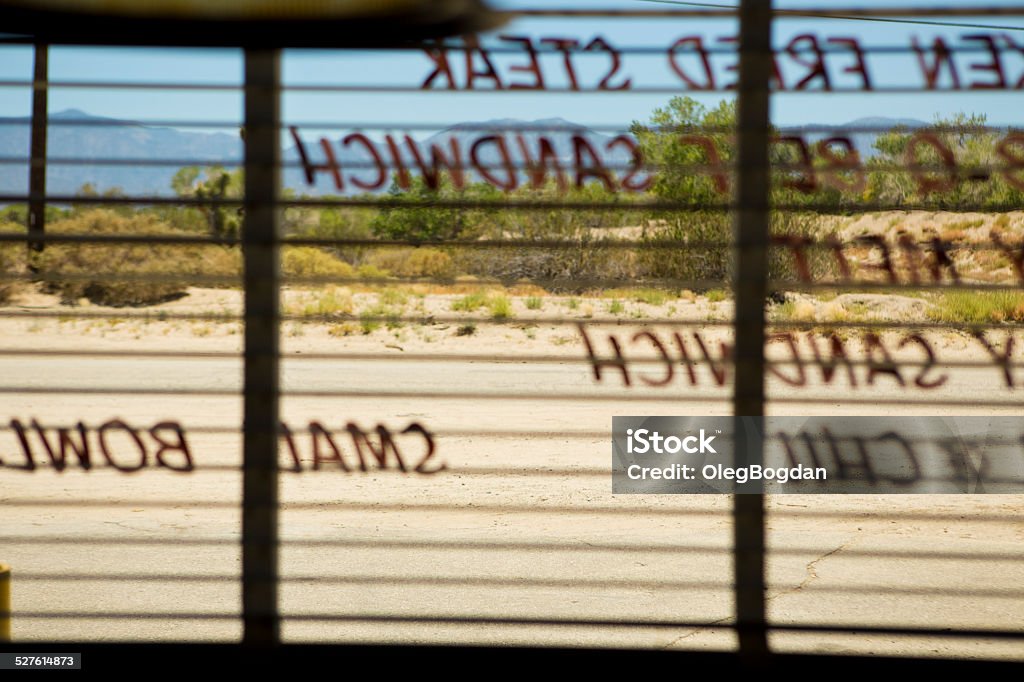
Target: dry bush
column 413, row 262
column 309, row 262
column 118, row 274
column 572, row 269
column 12, row 263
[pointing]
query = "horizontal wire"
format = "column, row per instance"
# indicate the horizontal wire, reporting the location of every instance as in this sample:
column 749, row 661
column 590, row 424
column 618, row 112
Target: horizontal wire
column 844, row 628
column 492, row 395
column 640, row 504
column 124, row 615
column 909, row 631
column 475, row 471
column 569, row 283
column 511, row 205
column 730, row 11
column 619, row 396
column 938, row 402
column 149, row 317
column 366, row 394
column 1014, row 440
column 103, row 122
column 136, row 162
column 780, row 285
column 543, row 470
column 573, row 546
column 520, row 127
column 796, row 13
column 384, row 356
column 329, row 88
column 969, row 172
column 330, row 469
column 654, row 242
column 811, row 325
column 540, row 48
column 574, row 283
column 383, row 580
column 514, row 581
column 710, row 11
column 79, row 238
column 336, row 505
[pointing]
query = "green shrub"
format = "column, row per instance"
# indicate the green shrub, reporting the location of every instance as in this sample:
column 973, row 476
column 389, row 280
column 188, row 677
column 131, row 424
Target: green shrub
column 470, row 302
column 534, row 303
column 330, row 301
column 978, row 307
column 649, row 296
column 367, row 271
column 371, row 318
column 394, row 296
column 500, row 307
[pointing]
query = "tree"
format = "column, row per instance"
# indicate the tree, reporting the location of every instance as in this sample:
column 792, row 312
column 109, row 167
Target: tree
column 680, row 137
column 223, row 221
column 954, row 158
column 691, row 149
column 423, row 220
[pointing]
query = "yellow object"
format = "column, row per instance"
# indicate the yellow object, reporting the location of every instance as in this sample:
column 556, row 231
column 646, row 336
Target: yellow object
column 5, row 603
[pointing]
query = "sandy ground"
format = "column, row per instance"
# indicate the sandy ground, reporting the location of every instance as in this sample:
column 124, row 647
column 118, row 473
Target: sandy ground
column 521, row 525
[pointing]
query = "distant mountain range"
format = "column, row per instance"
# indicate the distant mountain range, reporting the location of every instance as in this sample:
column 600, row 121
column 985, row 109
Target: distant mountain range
column 81, row 137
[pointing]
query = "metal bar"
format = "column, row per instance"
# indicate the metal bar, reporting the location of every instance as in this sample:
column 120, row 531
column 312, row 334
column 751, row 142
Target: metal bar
column 709, row 10
column 647, row 397
column 5, row 603
column 533, row 358
column 666, row 89
column 604, row 321
column 446, row 545
column 407, row 507
column 476, row 620
column 476, row 127
column 511, row 204
column 261, row 620
column 37, row 169
column 750, row 233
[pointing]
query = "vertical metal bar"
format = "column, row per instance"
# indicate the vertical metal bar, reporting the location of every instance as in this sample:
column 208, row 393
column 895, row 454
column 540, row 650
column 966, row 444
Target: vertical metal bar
column 261, row 621
column 750, row 236
column 37, row 152
column 5, row 603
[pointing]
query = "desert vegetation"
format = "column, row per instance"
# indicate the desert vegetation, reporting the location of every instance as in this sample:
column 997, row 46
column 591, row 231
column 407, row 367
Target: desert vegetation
column 363, row 269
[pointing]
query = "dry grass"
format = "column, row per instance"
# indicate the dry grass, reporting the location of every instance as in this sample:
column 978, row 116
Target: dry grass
column 413, row 262
column 978, row 307
column 13, row 265
column 124, row 274
column 308, row 262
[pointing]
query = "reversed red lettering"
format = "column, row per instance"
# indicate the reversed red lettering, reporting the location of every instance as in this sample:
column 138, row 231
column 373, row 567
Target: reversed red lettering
column 180, row 445
column 117, row 424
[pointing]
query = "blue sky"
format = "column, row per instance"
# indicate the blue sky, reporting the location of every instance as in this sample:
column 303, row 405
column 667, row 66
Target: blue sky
column 614, row 109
